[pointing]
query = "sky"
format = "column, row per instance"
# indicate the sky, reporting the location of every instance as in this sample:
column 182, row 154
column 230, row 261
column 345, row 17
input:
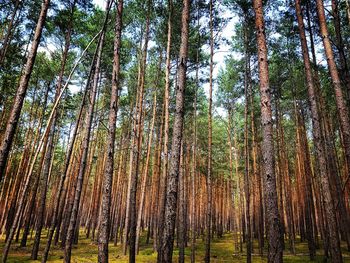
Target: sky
column 219, row 54
column 227, row 32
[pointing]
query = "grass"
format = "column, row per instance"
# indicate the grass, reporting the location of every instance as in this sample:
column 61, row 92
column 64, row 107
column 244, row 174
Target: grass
column 221, row 251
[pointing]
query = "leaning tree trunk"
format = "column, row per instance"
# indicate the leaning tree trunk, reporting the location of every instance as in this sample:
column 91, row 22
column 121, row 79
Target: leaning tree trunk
column 275, row 244
column 172, row 183
column 26, row 185
column 340, row 101
column 48, row 153
column 320, row 151
column 59, row 204
column 12, row 121
column 17, row 107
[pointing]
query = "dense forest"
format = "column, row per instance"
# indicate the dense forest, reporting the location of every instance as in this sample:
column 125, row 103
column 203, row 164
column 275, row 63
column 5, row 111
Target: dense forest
column 164, row 131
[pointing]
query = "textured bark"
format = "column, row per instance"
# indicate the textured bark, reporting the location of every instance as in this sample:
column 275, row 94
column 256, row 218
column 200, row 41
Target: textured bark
column 13, row 118
column 319, row 145
column 172, row 183
column 108, row 172
column 164, row 170
column 339, row 98
column 342, row 108
column 275, row 247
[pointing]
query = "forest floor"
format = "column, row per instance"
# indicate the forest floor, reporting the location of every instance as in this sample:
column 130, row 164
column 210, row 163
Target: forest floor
column 221, row 251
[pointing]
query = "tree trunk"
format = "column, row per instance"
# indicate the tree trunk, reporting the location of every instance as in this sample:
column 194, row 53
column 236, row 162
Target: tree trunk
column 164, row 170
column 194, row 153
column 48, row 154
column 275, row 246
column 108, row 172
column 342, row 109
column 209, row 171
column 320, row 151
column 182, row 209
column 344, row 70
column 135, row 153
column 12, row 122
column 16, row 110
column 172, row 183
column 248, row 237
column 73, row 219
column 145, row 173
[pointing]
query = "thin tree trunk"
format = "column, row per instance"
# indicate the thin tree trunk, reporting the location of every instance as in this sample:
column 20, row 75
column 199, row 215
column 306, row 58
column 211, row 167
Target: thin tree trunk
column 246, row 148
column 145, row 173
column 194, row 152
column 209, row 172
